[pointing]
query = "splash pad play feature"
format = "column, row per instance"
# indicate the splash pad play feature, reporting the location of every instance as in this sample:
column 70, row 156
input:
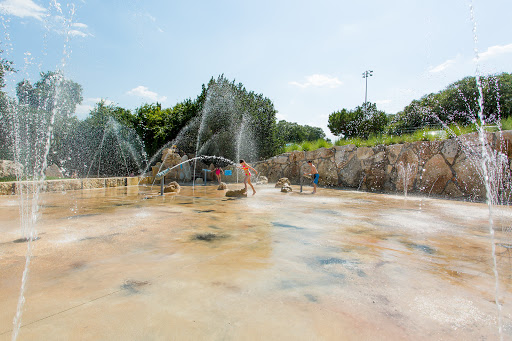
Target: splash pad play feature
column 127, row 263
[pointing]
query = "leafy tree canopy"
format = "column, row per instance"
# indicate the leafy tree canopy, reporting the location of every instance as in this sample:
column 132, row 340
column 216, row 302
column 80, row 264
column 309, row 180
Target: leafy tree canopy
column 51, row 92
column 291, row 132
column 458, row 103
column 362, row 121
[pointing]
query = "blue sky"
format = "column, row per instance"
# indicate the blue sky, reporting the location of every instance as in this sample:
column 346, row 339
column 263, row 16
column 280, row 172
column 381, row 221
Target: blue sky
column 307, row 57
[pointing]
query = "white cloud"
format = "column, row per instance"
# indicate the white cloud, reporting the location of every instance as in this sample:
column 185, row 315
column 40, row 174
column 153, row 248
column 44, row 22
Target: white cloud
column 79, row 25
column 75, row 33
column 77, row 30
column 442, row 66
column 144, row 92
column 280, row 116
column 22, row 9
column 83, row 110
column 318, row 80
column 495, row 51
column 383, row 101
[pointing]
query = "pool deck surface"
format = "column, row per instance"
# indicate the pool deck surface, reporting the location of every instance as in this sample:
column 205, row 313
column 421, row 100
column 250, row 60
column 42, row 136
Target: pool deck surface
column 128, row 264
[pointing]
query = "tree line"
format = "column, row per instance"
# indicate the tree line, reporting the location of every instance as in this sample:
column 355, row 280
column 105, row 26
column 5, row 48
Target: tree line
column 457, row 104
column 225, row 119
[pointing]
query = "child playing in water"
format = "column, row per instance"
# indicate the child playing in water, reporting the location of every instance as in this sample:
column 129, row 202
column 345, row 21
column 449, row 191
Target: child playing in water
column 314, row 174
column 247, row 179
column 218, row 172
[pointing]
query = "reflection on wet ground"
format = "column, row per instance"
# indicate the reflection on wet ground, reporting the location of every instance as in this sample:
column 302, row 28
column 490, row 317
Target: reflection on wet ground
column 125, row 263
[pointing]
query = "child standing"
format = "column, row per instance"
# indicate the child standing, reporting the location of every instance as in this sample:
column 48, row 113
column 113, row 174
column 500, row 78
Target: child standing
column 218, row 172
column 314, row 174
column 247, row 179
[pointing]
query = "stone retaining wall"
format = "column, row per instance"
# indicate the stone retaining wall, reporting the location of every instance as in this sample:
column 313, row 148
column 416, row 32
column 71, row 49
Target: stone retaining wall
column 447, row 168
column 10, row 188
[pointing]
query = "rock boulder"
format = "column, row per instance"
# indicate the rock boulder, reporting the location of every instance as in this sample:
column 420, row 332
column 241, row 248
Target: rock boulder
column 281, row 182
column 8, row 168
column 53, row 172
column 173, row 187
column 286, row 188
column 240, row 193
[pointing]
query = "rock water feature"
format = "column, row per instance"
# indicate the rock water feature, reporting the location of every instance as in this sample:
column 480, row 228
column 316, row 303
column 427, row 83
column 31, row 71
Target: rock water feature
column 444, row 168
column 339, row 265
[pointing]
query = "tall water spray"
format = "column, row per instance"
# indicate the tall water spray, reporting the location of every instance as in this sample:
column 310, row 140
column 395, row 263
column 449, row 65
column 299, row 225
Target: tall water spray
column 32, row 127
column 223, row 128
column 488, row 160
column 119, row 151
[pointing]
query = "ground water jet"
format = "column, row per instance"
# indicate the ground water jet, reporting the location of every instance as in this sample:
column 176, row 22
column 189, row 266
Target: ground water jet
column 161, row 175
column 486, row 157
column 405, row 170
column 486, row 160
column 119, row 143
column 224, row 124
column 31, row 144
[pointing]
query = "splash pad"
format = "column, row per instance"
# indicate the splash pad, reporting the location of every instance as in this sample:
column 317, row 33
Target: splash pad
column 128, row 263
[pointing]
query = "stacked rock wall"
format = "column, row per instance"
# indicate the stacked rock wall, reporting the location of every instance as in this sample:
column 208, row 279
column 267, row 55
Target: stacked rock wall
column 12, row 187
column 447, row 168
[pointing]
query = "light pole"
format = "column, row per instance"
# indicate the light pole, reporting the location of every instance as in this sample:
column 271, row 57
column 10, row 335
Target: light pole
column 366, row 74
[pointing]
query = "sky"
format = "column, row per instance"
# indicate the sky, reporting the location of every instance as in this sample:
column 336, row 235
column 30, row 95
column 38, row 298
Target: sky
column 308, row 57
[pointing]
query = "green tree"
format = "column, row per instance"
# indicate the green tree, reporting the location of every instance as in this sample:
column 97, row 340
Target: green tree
column 232, row 122
column 46, row 112
column 106, row 143
column 103, row 112
column 150, row 126
column 291, row 132
column 458, row 103
column 6, row 66
column 52, row 93
column 362, row 121
column 345, row 122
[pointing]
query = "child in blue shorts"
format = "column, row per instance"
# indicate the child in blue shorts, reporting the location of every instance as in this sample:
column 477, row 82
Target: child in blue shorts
column 314, row 174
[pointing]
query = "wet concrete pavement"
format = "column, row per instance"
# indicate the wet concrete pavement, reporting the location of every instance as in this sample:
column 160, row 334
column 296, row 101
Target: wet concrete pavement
column 125, row 263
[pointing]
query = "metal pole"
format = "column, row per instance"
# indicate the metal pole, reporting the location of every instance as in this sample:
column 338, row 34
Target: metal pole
column 366, row 92
column 162, row 185
column 366, row 74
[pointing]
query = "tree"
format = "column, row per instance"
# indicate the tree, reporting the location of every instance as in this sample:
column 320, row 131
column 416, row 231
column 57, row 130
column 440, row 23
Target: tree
column 291, row 132
column 52, row 93
column 5, row 66
column 5, row 129
column 45, row 113
column 105, row 144
column 362, row 121
column 232, row 122
column 344, row 122
column 103, row 112
column 458, row 103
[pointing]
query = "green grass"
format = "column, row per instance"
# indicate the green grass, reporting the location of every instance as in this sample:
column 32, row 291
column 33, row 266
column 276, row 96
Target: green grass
column 419, row 135
column 506, row 124
column 307, row 145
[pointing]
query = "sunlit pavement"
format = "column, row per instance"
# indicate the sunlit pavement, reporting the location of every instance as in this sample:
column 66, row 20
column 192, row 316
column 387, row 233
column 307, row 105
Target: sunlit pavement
column 128, row 264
